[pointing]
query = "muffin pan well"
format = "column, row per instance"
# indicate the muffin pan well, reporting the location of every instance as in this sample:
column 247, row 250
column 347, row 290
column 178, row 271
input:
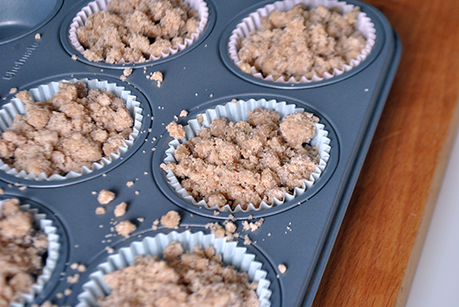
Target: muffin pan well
column 298, row 233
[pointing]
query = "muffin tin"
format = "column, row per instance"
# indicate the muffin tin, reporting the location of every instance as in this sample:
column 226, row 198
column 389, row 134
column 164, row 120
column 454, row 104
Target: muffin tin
column 298, row 233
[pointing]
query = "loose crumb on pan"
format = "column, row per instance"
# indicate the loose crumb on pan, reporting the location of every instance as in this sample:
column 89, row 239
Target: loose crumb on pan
column 127, row 72
column 282, row 268
column 120, row 209
column 67, row 292
column 100, row 210
column 109, row 250
column 74, row 266
column 197, row 278
column 13, row 90
column 155, row 224
column 158, row 77
column 253, row 161
column 105, row 197
column 252, row 226
column 133, row 30
column 22, row 248
column 247, row 240
column 125, row 228
column 302, row 42
column 74, row 57
column 73, row 129
column 175, row 130
column 227, row 230
column 73, row 279
column 81, row 268
column 129, row 183
column 183, row 113
column 38, row 36
column 171, row 219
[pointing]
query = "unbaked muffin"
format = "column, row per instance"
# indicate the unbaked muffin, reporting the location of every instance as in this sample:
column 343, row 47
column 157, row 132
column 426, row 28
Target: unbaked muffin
column 291, row 42
column 187, row 268
column 27, row 252
column 73, row 128
column 256, row 163
column 136, row 31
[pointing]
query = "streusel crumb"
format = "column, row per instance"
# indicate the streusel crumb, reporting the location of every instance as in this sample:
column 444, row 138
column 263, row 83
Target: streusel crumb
column 125, row 228
column 105, row 196
column 252, row 226
column 73, row 279
column 158, row 77
column 175, row 130
column 120, row 209
column 171, row 219
column 282, row 268
column 127, row 72
column 183, row 113
column 100, row 210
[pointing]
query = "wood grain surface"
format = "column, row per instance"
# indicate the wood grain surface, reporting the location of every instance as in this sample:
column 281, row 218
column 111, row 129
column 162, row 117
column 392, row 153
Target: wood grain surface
column 378, row 247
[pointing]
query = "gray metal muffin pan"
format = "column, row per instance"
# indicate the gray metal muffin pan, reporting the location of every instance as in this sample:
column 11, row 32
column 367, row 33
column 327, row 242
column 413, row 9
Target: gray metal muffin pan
column 299, row 233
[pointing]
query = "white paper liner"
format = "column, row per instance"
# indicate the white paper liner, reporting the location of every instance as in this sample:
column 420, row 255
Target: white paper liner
column 44, row 92
column 232, row 255
column 252, row 22
column 237, row 112
column 51, row 260
column 199, row 6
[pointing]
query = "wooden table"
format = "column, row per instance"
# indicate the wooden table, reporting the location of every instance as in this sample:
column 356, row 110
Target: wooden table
column 379, row 244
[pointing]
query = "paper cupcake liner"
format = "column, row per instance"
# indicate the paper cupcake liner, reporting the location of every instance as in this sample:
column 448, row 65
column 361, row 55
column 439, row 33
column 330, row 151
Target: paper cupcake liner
column 50, row 230
column 237, row 112
column 44, row 92
column 232, row 255
column 199, row 6
column 252, row 22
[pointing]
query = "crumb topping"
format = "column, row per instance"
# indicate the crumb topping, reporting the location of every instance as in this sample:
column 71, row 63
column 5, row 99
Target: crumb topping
column 302, row 42
column 239, row 163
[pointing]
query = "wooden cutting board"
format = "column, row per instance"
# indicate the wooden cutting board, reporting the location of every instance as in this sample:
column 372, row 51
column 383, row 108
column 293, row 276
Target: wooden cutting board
column 379, row 244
